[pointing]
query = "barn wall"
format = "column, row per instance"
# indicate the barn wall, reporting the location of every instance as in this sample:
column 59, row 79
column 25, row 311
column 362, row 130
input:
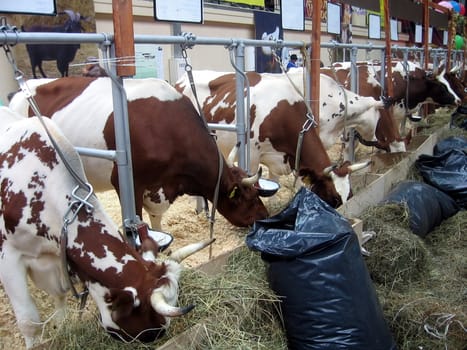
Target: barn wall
column 218, row 22
column 8, row 80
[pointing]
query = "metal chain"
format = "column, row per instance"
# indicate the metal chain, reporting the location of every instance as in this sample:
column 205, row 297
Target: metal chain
column 309, row 122
column 73, row 209
column 344, row 137
column 189, row 71
column 4, row 28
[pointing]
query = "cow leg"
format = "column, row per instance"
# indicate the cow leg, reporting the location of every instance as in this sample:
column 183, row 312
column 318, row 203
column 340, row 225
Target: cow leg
column 273, row 160
column 13, row 274
column 47, row 274
column 155, row 204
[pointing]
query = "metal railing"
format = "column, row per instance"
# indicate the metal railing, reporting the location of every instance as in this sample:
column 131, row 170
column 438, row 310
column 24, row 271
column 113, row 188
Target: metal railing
column 122, row 154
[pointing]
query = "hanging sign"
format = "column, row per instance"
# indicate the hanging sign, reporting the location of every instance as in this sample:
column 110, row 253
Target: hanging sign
column 293, row 14
column 250, row 2
column 190, row 11
column 394, row 31
column 29, row 7
column 374, row 26
column 334, row 18
column 445, row 37
column 418, row 33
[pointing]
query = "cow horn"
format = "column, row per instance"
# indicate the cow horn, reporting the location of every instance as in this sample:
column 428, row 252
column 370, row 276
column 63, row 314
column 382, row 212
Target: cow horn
column 358, row 166
column 71, row 14
column 161, row 306
column 184, row 252
column 232, row 155
column 455, row 69
column 328, row 169
column 249, row 181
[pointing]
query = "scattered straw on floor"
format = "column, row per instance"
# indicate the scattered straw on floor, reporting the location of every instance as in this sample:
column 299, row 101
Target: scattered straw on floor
column 235, row 310
column 421, row 283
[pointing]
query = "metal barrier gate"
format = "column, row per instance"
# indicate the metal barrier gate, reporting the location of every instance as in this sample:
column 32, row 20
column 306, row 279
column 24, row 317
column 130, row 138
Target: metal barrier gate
column 122, row 153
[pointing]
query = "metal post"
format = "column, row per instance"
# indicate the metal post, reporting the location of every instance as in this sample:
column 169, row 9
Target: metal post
column 435, row 61
column 124, row 48
column 382, row 79
column 405, row 55
column 354, row 72
column 315, row 58
column 354, row 88
column 387, row 39
column 177, row 30
column 241, row 119
column 123, row 153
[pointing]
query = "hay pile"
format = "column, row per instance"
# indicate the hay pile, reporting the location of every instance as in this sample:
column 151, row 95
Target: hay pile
column 234, row 310
column 421, row 283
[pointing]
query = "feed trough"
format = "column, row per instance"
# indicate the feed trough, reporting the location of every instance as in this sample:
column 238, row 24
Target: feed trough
column 267, row 187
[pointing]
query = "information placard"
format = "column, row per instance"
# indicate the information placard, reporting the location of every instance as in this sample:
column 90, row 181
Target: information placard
column 394, row 29
column 418, row 33
column 334, row 18
column 374, row 26
column 293, row 14
column 190, row 11
column 29, row 7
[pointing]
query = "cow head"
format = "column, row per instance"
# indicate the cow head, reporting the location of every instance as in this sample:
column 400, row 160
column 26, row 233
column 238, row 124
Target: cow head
column 441, row 91
column 144, row 312
column 456, row 84
column 333, row 185
column 239, row 200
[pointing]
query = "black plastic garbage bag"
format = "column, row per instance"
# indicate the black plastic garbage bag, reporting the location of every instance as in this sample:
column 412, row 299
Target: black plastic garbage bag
column 459, row 118
column 315, row 264
column 427, row 205
column 449, row 143
column 447, row 168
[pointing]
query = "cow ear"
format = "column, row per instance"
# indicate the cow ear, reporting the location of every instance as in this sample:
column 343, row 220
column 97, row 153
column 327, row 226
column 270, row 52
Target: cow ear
column 122, row 303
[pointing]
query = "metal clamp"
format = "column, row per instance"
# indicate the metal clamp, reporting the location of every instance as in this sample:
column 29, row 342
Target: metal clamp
column 188, row 67
column 309, row 122
column 78, row 203
column 190, row 39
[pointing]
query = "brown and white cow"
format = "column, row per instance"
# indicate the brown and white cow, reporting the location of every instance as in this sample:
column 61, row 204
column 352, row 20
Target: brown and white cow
column 135, row 297
column 278, row 114
column 412, row 85
column 458, row 85
column 173, row 153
